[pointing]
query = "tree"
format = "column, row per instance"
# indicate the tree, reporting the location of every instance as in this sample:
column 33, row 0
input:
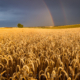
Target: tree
column 19, row 25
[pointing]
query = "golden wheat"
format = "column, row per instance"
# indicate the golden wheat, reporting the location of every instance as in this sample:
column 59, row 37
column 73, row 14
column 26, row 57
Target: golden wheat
column 39, row 54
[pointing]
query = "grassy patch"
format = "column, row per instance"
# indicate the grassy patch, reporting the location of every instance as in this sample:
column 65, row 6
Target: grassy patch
column 58, row 27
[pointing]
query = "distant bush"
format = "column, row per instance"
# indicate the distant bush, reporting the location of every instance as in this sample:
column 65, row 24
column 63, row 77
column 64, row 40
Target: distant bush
column 19, row 25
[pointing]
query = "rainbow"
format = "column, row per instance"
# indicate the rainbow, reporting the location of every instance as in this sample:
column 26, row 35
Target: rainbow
column 49, row 12
column 64, row 13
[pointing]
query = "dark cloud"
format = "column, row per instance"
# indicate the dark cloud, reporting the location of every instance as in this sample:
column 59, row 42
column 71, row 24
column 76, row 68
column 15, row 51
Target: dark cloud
column 35, row 13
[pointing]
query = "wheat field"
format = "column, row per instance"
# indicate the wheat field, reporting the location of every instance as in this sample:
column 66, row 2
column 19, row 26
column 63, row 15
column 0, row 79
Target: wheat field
column 39, row 54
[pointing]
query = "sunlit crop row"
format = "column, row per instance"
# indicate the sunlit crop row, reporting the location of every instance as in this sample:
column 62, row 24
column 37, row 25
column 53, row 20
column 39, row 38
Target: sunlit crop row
column 39, row 54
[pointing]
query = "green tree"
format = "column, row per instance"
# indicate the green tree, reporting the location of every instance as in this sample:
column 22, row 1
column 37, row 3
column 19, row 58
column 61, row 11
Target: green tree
column 19, row 25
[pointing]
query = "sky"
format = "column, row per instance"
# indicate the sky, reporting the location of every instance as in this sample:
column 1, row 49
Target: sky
column 39, row 12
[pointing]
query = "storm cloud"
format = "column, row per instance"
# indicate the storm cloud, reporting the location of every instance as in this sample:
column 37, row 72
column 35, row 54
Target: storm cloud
column 36, row 13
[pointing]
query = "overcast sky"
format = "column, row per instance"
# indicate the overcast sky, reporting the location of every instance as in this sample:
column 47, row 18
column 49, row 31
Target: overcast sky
column 39, row 12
